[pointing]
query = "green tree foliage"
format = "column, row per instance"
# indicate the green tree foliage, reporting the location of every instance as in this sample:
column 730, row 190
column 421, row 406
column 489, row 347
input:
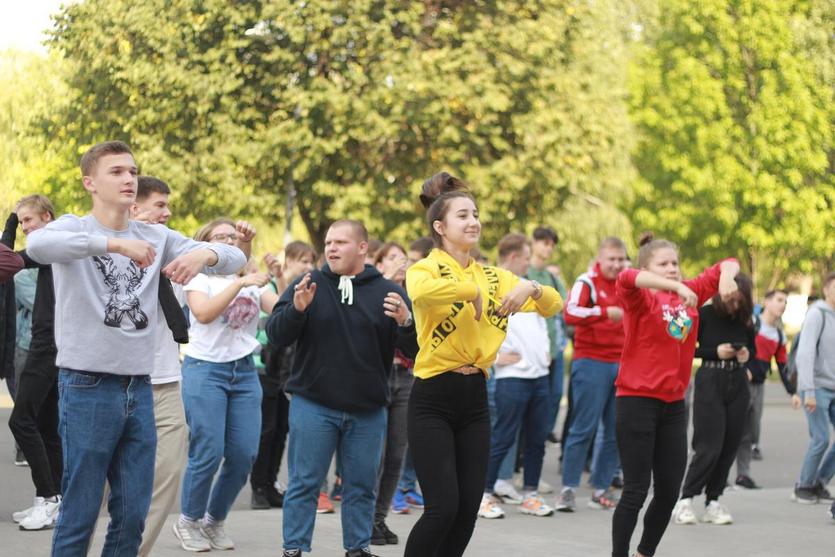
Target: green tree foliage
column 733, row 102
column 354, row 104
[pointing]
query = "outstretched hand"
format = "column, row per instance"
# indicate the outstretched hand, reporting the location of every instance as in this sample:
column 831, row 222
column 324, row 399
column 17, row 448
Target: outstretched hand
column 396, row 308
column 185, row 267
column 305, row 290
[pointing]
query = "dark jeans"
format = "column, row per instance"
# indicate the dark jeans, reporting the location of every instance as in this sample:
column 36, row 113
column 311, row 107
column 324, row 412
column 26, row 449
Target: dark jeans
column 274, row 427
column 34, row 424
column 720, row 409
column 652, row 440
column 400, row 385
column 449, row 436
column 520, row 403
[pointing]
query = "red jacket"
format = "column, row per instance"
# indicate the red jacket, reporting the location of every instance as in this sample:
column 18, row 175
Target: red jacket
column 595, row 335
column 660, row 336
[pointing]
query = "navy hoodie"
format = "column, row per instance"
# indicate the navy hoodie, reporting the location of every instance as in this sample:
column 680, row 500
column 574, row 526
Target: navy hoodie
column 344, row 352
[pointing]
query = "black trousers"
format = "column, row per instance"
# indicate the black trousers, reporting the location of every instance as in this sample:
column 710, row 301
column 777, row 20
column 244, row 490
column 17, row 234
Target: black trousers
column 652, row 440
column 449, row 436
column 34, row 423
column 274, row 427
column 720, row 410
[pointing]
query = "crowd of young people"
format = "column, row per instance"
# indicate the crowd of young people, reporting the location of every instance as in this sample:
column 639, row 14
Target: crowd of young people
column 365, row 353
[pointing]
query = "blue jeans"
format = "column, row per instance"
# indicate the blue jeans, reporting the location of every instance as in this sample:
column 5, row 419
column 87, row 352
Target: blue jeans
column 593, row 393
column 520, row 403
column 223, row 411
column 509, row 462
column 108, row 434
column 818, row 468
column 557, row 381
column 315, row 433
column 408, row 476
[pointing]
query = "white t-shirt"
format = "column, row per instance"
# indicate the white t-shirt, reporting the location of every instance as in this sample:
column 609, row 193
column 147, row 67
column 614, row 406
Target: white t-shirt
column 167, row 357
column 527, row 335
column 232, row 335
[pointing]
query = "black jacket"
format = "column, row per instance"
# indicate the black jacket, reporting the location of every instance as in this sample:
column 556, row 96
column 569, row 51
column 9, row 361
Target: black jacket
column 343, row 352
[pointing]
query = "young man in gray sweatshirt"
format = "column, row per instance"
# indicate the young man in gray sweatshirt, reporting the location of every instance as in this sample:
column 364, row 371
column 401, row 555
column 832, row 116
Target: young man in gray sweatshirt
column 106, row 272
column 816, row 385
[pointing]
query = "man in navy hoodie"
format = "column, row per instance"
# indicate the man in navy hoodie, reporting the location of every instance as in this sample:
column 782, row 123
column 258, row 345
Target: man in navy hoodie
column 346, row 320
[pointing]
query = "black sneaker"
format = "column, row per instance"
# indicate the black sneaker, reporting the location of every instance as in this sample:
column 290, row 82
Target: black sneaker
column 805, row 495
column 259, row 501
column 365, row 552
column 552, row 438
column 382, row 535
column 19, row 458
column 822, row 492
column 292, row 553
column 617, row 482
column 274, row 496
column 746, row 482
column 756, row 454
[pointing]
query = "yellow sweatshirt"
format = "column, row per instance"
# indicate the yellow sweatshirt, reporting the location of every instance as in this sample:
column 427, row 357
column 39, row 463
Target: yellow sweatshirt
column 448, row 334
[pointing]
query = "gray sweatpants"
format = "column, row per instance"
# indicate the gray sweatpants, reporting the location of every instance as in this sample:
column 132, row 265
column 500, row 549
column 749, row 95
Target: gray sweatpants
column 751, row 433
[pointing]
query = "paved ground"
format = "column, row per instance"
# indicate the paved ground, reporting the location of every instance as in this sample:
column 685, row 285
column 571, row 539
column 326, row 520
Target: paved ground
column 767, row 523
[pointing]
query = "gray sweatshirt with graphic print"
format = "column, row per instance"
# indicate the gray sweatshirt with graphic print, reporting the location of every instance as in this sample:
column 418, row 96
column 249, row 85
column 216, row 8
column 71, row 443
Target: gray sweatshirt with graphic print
column 106, row 307
column 816, row 360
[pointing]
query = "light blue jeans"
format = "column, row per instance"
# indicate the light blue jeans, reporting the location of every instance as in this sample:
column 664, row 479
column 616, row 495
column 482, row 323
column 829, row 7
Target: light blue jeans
column 315, row 433
column 593, row 405
column 818, row 468
column 223, row 411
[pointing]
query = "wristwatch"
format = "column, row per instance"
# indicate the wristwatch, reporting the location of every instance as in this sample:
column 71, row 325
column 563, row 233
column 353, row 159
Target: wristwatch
column 409, row 321
column 537, row 290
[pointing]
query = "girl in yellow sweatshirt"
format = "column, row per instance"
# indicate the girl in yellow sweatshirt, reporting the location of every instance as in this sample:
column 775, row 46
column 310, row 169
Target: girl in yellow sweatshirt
column 460, row 311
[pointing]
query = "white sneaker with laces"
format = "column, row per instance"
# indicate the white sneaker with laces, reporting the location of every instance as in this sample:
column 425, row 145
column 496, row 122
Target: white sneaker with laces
column 216, row 535
column 504, row 490
column 20, row 515
column 716, row 513
column 683, row 512
column 43, row 517
column 489, row 508
column 535, row 505
column 190, row 536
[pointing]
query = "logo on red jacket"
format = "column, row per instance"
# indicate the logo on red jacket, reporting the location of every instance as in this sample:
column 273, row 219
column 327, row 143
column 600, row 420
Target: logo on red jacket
column 678, row 322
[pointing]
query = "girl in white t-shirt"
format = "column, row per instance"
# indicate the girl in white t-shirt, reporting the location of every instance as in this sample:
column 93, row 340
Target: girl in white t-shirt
column 221, row 394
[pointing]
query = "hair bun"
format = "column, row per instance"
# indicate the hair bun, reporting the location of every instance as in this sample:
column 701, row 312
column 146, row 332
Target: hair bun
column 645, row 238
column 439, row 184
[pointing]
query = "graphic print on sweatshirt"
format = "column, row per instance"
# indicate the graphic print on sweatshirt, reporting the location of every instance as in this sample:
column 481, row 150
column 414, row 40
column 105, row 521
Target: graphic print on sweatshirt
column 240, row 312
column 678, row 322
column 122, row 281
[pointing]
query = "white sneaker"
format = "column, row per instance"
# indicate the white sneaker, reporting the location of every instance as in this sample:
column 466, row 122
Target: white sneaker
column 683, row 512
column 505, row 491
column 489, row 508
column 20, row 515
column 716, row 513
column 43, row 517
column 535, row 505
column 545, row 487
column 216, row 535
column 190, row 536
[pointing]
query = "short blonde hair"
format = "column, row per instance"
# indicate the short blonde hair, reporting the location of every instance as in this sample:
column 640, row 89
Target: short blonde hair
column 38, row 202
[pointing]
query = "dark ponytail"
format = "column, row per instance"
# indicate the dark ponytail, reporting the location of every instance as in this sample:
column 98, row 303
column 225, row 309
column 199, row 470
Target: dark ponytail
column 435, row 196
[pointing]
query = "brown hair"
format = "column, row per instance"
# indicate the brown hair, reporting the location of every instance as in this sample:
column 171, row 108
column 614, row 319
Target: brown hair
column 384, row 250
column 424, row 245
column 298, row 249
column 649, row 245
column 613, row 243
column 771, row 293
column 435, row 196
column 38, row 202
column 745, row 309
column 510, row 244
column 90, row 159
column 358, row 228
column 205, row 232
column 546, row 233
column 146, row 185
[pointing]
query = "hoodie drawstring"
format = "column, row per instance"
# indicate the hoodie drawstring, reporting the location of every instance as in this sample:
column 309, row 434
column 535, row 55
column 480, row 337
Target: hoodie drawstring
column 347, row 289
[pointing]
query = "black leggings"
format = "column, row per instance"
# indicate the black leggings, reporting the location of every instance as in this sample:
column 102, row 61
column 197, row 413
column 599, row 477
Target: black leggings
column 720, row 408
column 449, row 436
column 652, row 440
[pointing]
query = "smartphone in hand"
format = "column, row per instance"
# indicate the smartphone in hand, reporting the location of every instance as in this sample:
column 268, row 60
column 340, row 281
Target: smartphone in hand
column 738, row 346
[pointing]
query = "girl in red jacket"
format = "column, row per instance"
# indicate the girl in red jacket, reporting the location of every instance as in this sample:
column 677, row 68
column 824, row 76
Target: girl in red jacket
column 661, row 320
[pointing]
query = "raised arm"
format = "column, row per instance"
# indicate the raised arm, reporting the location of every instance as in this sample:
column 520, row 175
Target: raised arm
column 184, row 258
column 579, row 310
column 10, row 263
